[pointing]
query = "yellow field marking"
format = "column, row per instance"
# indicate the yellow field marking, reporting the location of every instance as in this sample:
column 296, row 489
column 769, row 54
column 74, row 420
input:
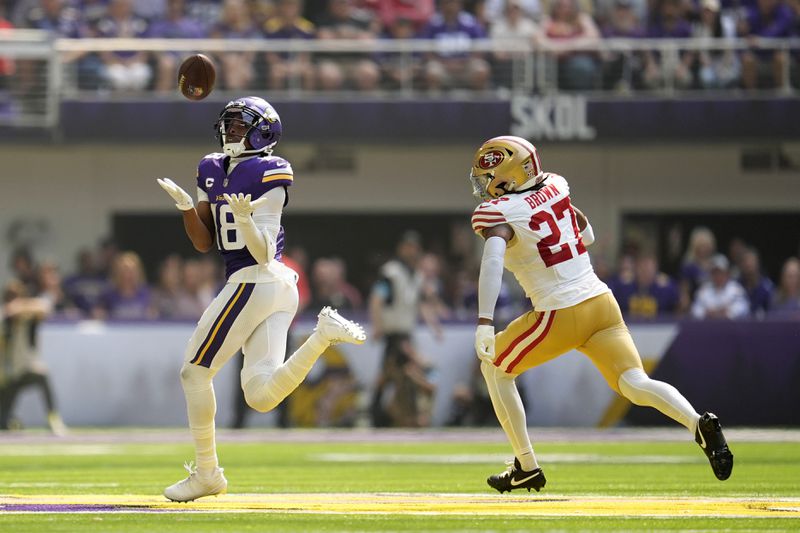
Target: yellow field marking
column 415, row 503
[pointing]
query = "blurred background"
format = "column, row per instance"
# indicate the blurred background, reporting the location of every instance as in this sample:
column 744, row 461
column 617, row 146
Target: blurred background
column 675, row 122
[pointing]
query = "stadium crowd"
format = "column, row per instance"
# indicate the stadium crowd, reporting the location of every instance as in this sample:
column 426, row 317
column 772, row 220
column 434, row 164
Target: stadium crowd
column 451, row 23
column 108, row 283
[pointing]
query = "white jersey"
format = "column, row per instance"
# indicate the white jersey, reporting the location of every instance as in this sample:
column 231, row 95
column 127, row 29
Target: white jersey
column 546, row 254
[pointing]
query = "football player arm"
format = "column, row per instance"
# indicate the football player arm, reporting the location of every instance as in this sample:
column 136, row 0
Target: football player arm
column 489, row 283
column 199, row 226
column 587, row 233
column 491, row 275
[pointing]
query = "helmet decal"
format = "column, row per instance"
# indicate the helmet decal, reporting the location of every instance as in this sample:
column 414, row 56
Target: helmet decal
column 503, row 165
column 491, row 159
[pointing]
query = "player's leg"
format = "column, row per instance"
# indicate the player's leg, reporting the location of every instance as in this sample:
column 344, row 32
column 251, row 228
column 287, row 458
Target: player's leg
column 221, row 331
column 266, row 378
column 530, row 340
column 525, row 471
column 612, row 350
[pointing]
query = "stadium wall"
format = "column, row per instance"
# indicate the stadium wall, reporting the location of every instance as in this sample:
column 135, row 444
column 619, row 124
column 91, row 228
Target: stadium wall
column 127, row 374
column 78, row 187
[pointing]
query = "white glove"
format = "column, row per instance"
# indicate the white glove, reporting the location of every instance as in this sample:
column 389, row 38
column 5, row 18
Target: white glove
column 241, row 206
column 259, row 243
column 484, row 343
column 182, row 199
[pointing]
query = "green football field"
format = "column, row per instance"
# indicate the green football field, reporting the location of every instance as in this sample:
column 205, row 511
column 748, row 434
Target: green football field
column 359, row 480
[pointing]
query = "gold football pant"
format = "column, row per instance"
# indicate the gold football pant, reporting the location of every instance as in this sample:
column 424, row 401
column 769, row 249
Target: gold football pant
column 594, row 327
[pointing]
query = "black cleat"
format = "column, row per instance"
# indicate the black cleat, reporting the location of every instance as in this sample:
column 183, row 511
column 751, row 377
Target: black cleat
column 516, row 478
column 709, row 436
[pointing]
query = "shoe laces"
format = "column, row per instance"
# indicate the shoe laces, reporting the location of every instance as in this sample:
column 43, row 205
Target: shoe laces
column 509, row 468
column 190, row 467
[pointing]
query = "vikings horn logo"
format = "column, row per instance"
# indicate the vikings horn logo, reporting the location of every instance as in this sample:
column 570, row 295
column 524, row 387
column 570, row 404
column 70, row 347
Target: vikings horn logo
column 490, row 159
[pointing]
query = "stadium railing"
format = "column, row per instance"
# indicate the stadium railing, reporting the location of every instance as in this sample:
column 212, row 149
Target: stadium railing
column 46, row 70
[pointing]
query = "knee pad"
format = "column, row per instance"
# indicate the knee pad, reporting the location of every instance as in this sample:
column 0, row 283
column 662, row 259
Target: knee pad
column 195, row 378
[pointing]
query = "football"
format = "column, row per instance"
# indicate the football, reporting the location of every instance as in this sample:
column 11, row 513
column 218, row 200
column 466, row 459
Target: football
column 196, row 77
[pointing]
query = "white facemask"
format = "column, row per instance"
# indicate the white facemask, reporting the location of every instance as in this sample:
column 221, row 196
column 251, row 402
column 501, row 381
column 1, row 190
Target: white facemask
column 234, row 149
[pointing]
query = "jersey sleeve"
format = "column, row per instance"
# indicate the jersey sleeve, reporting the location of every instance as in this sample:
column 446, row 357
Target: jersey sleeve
column 277, row 172
column 203, row 170
column 485, row 216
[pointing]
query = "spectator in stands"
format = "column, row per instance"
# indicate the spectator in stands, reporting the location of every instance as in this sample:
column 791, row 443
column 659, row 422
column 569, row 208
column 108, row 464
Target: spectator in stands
column 150, row 9
column 198, row 287
column 238, row 72
column 174, row 25
column 399, row 70
column 261, row 11
column 61, row 19
column 206, row 12
column 51, row 290
column 56, row 16
column 567, row 23
column 455, row 66
column 758, row 287
column 129, row 297
column 720, row 296
column 495, row 9
column 786, row 299
column 289, row 70
column 650, row 294
column 330, row 285
column 170, row 297
column 697, row 261
column 124, row 70
column 86, row 286
column 21, row 365
column 716, row 69
column 341, row 70
column 513, row 28
column 415, row 12
column 622, row 72
column 767, row 19
column 668, row 21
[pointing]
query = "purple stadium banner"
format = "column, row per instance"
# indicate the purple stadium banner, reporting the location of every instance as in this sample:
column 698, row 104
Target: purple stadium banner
column 570, row 118
column 748, row 373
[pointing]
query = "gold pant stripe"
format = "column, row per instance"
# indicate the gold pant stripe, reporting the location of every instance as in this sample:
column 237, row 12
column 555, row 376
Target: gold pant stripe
column 519, row 339
column 551, row 316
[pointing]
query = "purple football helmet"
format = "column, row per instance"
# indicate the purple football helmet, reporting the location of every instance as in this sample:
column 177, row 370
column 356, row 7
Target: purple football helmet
column 248, row 126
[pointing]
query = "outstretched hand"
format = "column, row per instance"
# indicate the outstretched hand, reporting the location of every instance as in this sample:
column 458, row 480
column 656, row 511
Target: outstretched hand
column 182, row 199
column 241, row 206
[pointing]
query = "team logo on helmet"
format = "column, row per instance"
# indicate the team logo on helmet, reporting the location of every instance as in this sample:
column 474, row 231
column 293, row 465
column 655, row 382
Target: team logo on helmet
column 491, row 159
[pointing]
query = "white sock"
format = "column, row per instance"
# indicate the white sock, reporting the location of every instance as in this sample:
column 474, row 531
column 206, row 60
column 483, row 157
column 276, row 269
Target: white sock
column 201, row 407
column 510, row 413
column 637, row 386
column 267, row 386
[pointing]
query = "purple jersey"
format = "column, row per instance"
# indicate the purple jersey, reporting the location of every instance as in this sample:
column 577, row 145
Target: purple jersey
column 660, row 297
column 254, row 176
column 453, row 38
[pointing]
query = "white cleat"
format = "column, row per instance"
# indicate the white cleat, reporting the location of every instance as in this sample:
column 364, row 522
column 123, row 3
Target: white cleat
column 335, row 328
column 196, row 486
